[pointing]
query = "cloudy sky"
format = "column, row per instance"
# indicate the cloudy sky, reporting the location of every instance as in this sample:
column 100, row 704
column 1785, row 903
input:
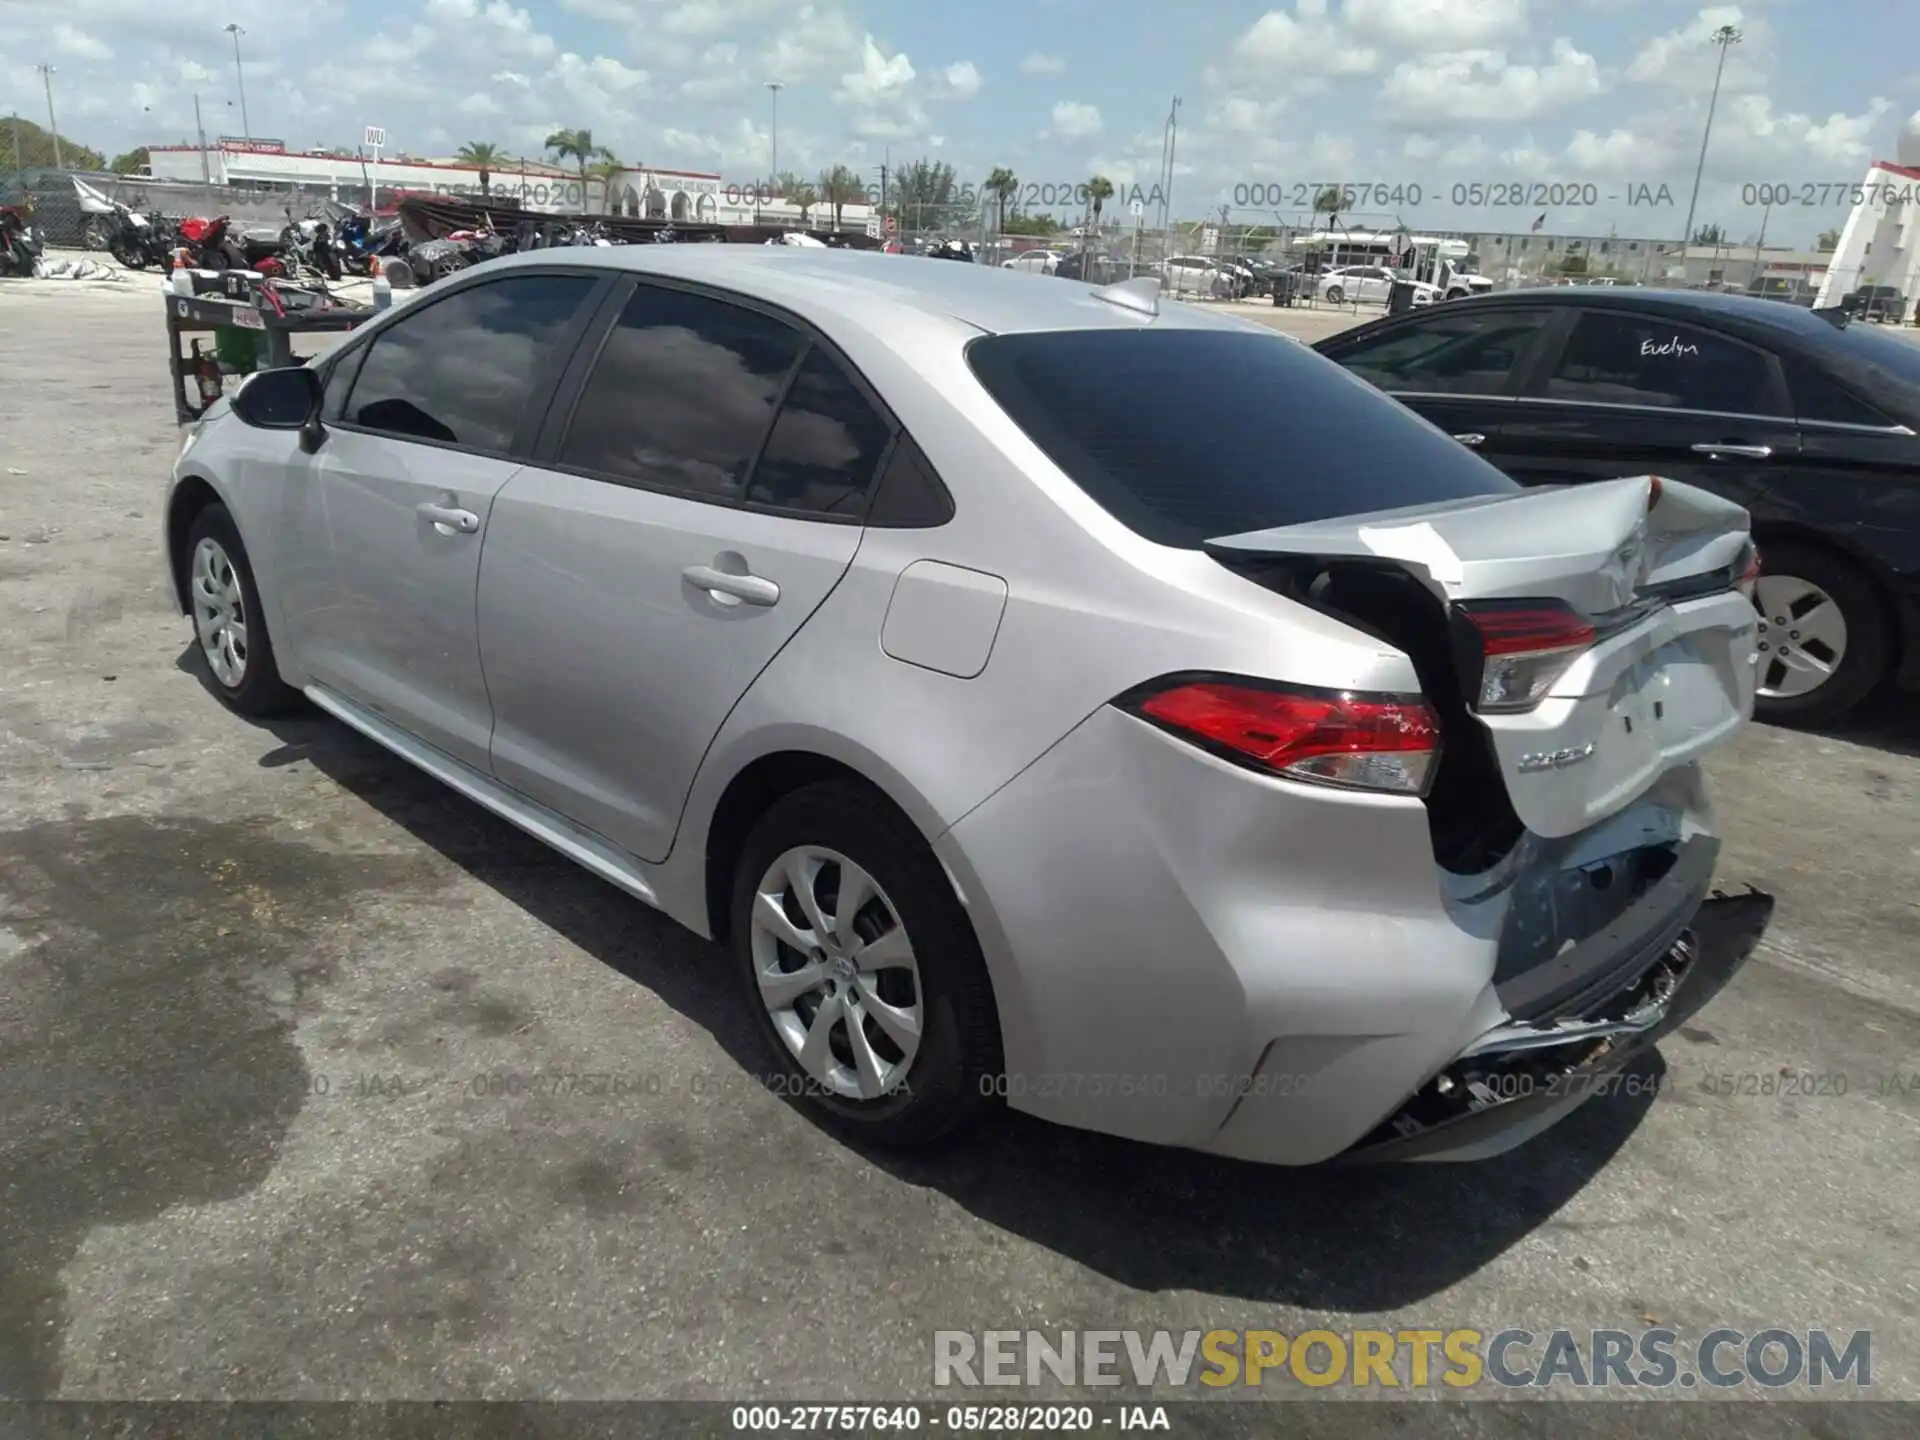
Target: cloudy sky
column 1412, row 102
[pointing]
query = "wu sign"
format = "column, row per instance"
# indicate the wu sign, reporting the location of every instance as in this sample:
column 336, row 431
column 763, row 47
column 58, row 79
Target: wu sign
column 376, row 138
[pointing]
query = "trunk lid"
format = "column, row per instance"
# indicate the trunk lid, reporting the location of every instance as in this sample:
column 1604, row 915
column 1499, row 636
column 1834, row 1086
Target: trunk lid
column 1646, row 567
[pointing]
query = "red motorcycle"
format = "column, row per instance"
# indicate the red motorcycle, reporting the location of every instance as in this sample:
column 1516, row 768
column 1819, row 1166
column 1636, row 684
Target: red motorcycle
column 212, row 245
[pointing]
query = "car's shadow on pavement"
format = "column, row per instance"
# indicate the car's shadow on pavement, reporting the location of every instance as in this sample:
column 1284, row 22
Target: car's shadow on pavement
column 1890, row 722
column 1357, row 1239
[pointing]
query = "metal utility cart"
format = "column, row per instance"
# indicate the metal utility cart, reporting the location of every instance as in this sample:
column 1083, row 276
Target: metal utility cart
column 236, row 302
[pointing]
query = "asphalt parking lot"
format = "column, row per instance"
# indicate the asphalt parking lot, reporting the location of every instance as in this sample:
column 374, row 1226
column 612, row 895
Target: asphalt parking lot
column 260, row 989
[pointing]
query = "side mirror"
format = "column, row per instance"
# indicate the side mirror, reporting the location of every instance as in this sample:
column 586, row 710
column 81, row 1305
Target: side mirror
column 283, row 399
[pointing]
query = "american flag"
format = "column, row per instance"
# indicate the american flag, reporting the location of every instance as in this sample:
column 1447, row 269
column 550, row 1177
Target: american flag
column 1541, row 223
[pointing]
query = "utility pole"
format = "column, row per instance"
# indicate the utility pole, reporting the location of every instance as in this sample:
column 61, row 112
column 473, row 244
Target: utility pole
column 16, row 142
column 200, row 129
column 1725, row 37
column 888, row 153
column 246, row 126
column 53, row 125
column 773, row 135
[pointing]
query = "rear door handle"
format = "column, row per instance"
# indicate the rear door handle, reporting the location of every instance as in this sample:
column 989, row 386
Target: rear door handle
column 449, row 520
column 1743, row 452
column 750, row 589
column 1471, row 439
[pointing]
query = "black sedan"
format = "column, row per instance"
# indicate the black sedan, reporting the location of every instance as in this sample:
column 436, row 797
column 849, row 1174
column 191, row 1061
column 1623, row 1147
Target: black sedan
column 1807, row 419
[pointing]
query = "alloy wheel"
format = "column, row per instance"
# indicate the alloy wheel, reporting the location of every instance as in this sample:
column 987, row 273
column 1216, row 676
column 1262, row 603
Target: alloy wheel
column 220, row 612
column 837, row 973
column 1803, row 636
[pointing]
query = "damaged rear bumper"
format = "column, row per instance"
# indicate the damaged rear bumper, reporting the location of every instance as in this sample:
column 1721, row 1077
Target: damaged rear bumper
column 1520, row 1078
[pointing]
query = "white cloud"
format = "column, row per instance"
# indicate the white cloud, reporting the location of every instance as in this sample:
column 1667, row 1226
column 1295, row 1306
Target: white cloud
column 1075, row 120
column 1480, row 85
column 1430, row 26
column 961, row 80
column 1038, row 64
column 1308, row 40
column 69, row 41
column 881, row 77
column 818, row 42
column 1687, row 58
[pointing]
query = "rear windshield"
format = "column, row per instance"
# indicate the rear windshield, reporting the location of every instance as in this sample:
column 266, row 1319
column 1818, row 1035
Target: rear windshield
column 1190, row 435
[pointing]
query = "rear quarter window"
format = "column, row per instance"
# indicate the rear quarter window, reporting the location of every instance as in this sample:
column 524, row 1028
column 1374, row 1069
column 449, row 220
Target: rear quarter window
column 1187, row 435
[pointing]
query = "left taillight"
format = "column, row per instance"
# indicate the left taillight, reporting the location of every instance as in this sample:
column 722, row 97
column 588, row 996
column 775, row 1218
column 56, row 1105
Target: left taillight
column 1522, row 647
column 1750, row 572
column 1386, row 743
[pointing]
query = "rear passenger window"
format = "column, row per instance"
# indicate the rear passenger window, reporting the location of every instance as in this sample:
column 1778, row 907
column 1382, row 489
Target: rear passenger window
column 826, row 444
column 682, row 394
column 1816, row 396
column 1613, row 359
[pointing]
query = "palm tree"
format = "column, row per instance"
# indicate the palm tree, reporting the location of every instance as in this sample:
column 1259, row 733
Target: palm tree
column 1003, row 185
column 802, row 195
column 1099, row 191
column 483, row 155
column 840, row 187
column 578, row 146
column 607, row 169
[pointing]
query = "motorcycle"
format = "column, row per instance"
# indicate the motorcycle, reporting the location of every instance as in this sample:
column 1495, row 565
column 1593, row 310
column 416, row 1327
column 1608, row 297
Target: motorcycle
column 212, row 244
column 135, row 240
column 20, row 246
column 365, row 242
column 307, row 248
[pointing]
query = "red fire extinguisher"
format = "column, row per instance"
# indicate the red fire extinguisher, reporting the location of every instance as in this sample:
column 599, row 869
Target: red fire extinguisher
column 206, row 374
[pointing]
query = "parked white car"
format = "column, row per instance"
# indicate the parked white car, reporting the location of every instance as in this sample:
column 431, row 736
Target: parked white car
column 1035, row 262
column 1460, row 285
column 1372, row 283
column 1189, row 275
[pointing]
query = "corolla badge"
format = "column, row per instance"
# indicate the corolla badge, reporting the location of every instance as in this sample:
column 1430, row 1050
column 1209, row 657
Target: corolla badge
column 1555, row 759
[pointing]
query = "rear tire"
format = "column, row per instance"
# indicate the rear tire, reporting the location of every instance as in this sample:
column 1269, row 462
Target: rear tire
column 1793, row 577
column 908, row 951
column 230, row 628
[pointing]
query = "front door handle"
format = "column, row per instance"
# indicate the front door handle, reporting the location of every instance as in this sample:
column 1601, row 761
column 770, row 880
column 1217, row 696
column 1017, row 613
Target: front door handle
column 732, row 589
column 449, row 520
column 1471, row 439
column 1743, row 452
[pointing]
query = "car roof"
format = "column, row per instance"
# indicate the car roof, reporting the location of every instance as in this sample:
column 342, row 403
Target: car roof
column 1762, row 320
column 910, row 294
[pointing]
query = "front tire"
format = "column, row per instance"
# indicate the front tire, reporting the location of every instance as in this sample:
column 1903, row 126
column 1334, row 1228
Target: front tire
column 1825, row 643
column 229, row 627
column 1335, row 295
column 862, row 969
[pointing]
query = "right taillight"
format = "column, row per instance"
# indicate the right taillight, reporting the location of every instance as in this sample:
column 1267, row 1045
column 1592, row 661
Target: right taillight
column 1750, row 573
column 1354, row 741
column 1523, row 647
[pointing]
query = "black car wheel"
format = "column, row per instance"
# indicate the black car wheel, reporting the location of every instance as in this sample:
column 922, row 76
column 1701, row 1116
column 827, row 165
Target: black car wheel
column 1824, row 640
column 228, row 623
column 861, row 967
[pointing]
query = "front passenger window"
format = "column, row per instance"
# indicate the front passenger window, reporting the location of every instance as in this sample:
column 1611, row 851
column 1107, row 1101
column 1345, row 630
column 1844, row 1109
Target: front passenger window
column 463, row 370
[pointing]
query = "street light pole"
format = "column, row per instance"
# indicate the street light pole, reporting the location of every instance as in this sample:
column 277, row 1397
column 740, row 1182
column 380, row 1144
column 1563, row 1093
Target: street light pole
column 53, row 125
column 1166, row 191
column 1725, row 37
column 774, row 89
column 246, row 127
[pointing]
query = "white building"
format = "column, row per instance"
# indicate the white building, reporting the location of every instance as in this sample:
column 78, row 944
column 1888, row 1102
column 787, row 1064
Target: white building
column 696, row 196
column 1880, row 243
